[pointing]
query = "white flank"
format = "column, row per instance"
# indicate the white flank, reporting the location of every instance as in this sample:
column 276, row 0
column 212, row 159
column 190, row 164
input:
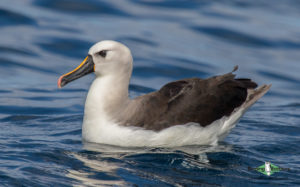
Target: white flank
column 106, row 132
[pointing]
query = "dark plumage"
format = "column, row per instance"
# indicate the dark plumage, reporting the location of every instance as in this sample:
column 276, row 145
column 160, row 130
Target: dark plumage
column 190, row 100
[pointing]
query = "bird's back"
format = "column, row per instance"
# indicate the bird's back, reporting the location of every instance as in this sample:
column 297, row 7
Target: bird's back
column 202, row 101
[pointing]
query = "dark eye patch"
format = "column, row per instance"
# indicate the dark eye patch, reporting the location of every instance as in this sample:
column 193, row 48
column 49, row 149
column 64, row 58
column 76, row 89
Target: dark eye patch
column 102, row 53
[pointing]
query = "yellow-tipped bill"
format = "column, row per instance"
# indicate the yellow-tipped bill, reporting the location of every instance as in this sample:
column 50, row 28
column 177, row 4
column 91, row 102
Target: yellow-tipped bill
column 87, row 66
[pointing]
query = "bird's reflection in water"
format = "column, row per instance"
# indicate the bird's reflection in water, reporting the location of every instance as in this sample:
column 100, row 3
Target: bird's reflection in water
column 107, row 165
column 96, row 166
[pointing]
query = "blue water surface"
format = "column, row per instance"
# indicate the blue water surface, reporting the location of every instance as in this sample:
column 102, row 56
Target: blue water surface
column 40, row 125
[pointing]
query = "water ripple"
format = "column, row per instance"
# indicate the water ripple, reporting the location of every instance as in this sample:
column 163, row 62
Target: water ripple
column 9, row 18
column 16, row 51
column 279, row 76
column 81, row 7
column 7, row 109
column 244, row 39
column 7, row 63
column 65, row 46
column 167, row 71
column 173, row 4
column 138, row 41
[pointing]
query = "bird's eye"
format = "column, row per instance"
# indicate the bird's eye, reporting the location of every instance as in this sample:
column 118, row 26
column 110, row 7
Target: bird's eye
column 103, row 53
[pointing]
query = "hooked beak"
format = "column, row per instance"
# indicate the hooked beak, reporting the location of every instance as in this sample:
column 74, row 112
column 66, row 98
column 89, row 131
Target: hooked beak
column 87, row 66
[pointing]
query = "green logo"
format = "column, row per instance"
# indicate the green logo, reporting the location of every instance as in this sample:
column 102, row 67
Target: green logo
column 268, row 169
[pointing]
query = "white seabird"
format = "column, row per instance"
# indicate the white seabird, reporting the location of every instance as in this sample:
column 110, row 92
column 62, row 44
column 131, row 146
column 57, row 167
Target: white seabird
column 186, row 112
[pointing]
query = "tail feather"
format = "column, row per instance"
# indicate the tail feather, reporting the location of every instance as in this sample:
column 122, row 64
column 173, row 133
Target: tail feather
column 255, row 94
column 252, row 97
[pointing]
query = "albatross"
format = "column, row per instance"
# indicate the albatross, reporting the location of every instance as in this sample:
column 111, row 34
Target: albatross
column 190, row 111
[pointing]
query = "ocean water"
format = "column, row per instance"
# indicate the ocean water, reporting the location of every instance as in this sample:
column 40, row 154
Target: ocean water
column 40, row 125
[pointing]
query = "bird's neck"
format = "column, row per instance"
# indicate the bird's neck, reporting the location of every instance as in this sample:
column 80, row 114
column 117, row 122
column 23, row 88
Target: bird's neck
column 107, row 95
column 106, row 98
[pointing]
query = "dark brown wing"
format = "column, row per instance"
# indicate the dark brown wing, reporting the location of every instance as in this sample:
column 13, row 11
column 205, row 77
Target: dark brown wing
column 192, row 100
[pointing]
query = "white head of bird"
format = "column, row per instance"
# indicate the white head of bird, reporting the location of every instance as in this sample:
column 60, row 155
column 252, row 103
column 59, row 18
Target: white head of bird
column 111, row 57
column 105, row 58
